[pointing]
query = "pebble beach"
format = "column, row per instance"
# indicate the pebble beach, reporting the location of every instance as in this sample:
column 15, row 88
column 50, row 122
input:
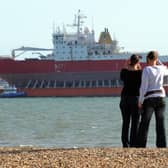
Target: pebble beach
column 28, row 157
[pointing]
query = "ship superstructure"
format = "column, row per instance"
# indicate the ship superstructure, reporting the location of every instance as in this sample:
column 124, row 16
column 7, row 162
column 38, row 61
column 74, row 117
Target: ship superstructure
column 81, row 45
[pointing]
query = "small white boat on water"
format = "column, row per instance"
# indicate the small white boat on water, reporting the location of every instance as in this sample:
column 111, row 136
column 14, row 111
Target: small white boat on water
column 8, row 91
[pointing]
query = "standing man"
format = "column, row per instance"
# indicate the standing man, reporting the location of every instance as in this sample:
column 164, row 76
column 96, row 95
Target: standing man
column 152, row 100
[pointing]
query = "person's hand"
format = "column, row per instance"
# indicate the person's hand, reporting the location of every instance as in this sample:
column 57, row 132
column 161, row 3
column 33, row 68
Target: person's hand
column 159, row 62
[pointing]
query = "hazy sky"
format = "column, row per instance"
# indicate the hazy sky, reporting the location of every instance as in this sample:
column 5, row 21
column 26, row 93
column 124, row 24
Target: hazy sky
column 138, row 25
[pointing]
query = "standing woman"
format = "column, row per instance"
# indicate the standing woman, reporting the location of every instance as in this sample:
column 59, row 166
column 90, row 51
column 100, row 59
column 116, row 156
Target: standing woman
column 131, row 77
column 152, row 100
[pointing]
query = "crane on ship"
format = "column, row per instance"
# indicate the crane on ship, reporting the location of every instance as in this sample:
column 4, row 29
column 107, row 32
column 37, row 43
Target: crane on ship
column 25, row 49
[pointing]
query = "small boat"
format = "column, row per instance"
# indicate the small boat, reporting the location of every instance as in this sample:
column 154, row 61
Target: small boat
column 7, row 91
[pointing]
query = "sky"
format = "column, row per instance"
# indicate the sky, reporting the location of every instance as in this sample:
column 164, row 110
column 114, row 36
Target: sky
column 138, row 25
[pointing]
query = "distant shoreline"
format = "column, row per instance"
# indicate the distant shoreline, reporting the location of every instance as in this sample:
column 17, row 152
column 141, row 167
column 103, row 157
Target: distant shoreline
column 83, row 157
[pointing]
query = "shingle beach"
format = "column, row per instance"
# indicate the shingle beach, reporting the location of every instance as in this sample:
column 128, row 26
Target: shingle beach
column 27, row 157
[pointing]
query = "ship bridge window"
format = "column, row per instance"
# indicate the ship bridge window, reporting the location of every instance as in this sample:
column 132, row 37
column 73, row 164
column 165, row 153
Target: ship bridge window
column 69, row 43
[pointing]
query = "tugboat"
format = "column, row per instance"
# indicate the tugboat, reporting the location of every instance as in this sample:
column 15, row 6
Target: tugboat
column 7, row 91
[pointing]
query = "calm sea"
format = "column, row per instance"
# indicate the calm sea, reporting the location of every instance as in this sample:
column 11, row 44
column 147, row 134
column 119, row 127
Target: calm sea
column 63, row 122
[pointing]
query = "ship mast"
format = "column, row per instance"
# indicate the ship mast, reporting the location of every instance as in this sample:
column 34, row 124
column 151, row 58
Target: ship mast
column 78, row 22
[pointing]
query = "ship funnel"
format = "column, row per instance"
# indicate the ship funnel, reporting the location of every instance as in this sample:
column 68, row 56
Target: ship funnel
column 105, row 37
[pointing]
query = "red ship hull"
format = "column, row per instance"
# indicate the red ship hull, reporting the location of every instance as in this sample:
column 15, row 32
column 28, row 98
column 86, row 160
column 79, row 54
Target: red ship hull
column 45, row 78
column 75, row 92
column 72, row 92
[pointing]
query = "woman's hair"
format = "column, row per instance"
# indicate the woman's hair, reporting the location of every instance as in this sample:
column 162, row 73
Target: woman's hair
column 152, row 55
column 134, row 59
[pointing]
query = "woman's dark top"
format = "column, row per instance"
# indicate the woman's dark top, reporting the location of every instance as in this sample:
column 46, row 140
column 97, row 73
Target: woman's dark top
column 131, row 81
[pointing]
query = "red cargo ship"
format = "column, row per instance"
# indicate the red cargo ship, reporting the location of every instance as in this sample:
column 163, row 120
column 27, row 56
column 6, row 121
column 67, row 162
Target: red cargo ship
column 77, row 65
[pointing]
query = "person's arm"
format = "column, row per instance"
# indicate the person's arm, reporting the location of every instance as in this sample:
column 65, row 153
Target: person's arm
column 165, row 69
column 143, row 87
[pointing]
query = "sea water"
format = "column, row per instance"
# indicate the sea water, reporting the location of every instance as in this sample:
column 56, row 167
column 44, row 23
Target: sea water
column 64, row 122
